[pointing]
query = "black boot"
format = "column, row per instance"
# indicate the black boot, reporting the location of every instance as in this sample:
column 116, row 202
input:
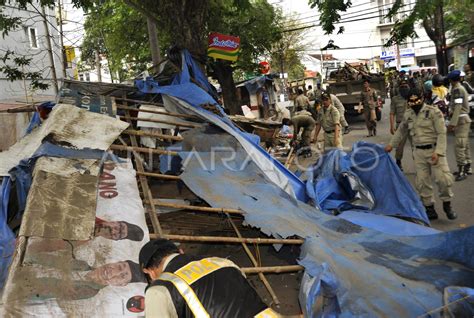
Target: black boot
column 449, row 212
column 431, row 212
column 461, row 175
column 399, row 164
column 468, row 169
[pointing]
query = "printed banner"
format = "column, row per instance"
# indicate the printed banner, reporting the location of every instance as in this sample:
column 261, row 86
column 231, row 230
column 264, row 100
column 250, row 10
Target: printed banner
column 99, row 277
column 224, row 47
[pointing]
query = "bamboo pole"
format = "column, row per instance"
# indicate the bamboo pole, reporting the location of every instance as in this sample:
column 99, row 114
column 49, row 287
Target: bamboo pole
column 140, row 101
column 254, row 262
column 144, row 182
column 143, row 149
column 290, row 157
column 150, row 134
column 172, row 123
column 225, row 239
column 119, row 106
column 21, row 109
column 272, row 269
column 158, row 175
column 194, row 207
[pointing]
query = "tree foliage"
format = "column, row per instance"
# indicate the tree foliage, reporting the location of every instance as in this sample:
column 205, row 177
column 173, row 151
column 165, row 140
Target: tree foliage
column 460, row 20
column 120, row 33
column 287, row 52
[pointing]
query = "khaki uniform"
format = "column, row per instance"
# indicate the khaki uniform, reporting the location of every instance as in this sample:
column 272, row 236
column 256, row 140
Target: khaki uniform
column 368, row 99
column 340, row 107
column 329, row 118
column 398, row 107
column 428, row 134
column 462, row 124
column 305, row 121
column 301, row 101
column 310, row 95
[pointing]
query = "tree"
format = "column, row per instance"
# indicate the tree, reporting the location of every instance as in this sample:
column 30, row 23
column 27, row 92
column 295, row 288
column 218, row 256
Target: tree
column 118, row 32
column 459, row 20
column 286, row 52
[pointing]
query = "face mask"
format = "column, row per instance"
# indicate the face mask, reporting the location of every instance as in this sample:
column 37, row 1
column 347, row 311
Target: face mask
column 404, row 92
column 415, row 103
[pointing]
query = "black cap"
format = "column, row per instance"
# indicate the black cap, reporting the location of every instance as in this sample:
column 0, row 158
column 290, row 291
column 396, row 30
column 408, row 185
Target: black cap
column 150, row 248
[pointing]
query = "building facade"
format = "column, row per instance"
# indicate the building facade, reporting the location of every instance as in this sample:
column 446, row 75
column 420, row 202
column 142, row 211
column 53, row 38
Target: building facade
column 30, row 41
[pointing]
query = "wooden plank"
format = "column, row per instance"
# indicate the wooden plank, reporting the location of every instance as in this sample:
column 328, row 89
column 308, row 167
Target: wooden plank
column 272, row 269
column 143, row 149
column 225, row 239
column 158, row 175
column 119, row 106
column 172, row 123
column 151, row 134
column 194, row 207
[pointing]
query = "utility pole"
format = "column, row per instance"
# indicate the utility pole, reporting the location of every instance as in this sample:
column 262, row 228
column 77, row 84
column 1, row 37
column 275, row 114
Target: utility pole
column 97, row 65
column 50, row 51
column 61, row 40
column 154, row 44
column 399, row 64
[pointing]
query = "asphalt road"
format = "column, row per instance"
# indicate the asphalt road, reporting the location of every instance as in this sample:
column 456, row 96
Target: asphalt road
column 463, row 201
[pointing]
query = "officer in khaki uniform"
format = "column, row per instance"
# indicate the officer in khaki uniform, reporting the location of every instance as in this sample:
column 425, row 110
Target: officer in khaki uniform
column 425, row 124
column 340, row 107
column 398, row 106
column 329, row 119
column 301, row 100
column 368, row 99
column 460, row 123
column 301, row 120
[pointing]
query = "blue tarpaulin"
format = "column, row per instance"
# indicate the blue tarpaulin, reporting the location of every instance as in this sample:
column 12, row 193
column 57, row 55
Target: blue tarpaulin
column 376, row 171
column 356, row 271
column 195, row 96
column 7, row 238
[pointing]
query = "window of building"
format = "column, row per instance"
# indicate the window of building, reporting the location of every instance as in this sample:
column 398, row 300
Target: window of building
column 88, row 77
column 32, row 37
column 81, row 77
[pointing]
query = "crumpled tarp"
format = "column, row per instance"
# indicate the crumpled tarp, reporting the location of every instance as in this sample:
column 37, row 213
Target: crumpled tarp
column 376, row 172
column 69, row 126
column 358, row 271
column 7, row 238
column 189, row 97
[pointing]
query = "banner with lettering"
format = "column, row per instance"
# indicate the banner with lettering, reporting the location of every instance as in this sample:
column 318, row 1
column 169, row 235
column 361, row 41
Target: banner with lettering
column 224, row 47
column 99, row 277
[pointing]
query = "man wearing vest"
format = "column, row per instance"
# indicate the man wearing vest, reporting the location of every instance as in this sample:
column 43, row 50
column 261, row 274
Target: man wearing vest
column 185, row 286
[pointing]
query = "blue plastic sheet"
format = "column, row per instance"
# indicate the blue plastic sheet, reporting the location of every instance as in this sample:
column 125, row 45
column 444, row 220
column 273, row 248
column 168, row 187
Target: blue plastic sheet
column 376, row 171
column 196, row 96
column 7, row 238
column 357, row 271
column 35, row 120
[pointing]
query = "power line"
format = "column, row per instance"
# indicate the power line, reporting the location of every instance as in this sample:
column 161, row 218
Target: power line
column 339, row 22
column 357, row 47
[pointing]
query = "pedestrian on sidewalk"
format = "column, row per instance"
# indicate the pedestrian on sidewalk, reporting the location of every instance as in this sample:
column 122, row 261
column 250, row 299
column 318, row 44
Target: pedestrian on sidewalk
column 425, row 124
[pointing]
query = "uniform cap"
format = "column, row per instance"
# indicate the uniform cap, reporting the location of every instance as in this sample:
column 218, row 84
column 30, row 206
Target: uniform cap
column 454, row 75
column 462, row 74
column 428, row 86
column 150, row 248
